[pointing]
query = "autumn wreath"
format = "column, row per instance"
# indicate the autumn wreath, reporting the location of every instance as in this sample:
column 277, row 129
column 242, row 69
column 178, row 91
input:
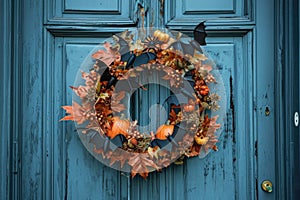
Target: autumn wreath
column 103, row 116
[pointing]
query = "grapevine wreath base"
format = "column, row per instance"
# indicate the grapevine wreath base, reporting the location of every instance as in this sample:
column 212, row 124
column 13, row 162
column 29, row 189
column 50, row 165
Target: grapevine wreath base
column 119, row 69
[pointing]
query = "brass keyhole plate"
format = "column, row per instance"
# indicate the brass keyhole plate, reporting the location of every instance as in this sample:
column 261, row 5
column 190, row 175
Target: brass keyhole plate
column 267, row 186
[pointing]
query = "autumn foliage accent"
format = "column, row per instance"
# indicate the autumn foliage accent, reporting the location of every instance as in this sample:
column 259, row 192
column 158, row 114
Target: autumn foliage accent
column 164, row 131
column 102, row 108
column 119, row 126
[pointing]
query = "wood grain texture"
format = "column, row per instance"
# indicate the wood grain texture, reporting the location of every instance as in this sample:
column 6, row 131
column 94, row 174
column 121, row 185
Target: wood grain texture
column 5, row 99
column 264, row 95
column 31, row 117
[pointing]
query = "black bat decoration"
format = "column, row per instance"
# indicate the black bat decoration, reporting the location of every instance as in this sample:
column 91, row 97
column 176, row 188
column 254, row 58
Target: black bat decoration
column 200, row 33
column 128, row 85
column 118, row 140
column 187, row 48
column 175, row 99
column 182, row 95
column 160, row 143
column 134, row 61
column 189, row 78
column 129, row 57
column 144, row 58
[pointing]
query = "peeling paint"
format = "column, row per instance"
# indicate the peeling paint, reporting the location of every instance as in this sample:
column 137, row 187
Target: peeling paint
column 232, row 103
column 66, row 180
column 161, row 10
column 142, row 14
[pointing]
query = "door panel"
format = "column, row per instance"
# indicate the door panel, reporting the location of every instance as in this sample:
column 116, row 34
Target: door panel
column 183, row 13
column 92, row 12
column 73, row 172
column 228, row 171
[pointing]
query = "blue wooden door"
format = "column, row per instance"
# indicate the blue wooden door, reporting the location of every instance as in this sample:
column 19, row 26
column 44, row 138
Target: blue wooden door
column 59, row 34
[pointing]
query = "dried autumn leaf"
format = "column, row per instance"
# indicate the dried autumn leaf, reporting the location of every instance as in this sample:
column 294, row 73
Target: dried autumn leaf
column 117, row 156
column 137, row 45
column 173, row 81
column 172, row 116
column 81, row 91
column 76, row 113
column 208, row 68
column 66, row 118
column 144, row 175
column 107, row 56
column 116, row 106
column 118, row 96
column 200, row 56
column 90, row 78
column 93, row 125
column 153, row 152
column 140, row 163
column 212, row 126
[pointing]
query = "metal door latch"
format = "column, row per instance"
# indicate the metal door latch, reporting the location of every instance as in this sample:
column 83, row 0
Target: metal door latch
column 296, row 119
column 267, row 186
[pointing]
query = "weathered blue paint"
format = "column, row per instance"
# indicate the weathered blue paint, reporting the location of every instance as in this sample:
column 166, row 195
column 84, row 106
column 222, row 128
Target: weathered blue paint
column 54, row 38
column 5, row 98
column 264, row 95
column 289, row 98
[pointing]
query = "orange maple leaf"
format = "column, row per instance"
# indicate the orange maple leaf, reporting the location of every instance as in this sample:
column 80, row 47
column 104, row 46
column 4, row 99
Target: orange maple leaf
column 107, row 56
column 76, row 113
column 140, row 164
column 68, row 110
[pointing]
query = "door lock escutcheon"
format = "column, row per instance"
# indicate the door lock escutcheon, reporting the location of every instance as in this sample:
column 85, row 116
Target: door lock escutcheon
column 267, row 186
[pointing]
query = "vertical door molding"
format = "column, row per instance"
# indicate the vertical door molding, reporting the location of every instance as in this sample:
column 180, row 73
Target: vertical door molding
column 287, row 99
column 29, row 99
column 265, row 96
column 11, row 98
column 281, row 139
column 5, row 98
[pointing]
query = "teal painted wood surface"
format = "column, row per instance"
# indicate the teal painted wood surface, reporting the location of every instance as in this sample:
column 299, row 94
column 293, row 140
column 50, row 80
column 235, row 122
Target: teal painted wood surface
column 6, row 104
column 52, row 38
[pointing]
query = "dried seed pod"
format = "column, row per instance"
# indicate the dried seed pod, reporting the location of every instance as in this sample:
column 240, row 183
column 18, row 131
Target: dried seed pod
column 204, row 90
column 133, row 141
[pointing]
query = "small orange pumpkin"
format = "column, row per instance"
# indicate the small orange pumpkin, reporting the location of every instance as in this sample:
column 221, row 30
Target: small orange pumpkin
column 163, row 131
column 157, row 33
column 164, row 37
column 120, row 126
